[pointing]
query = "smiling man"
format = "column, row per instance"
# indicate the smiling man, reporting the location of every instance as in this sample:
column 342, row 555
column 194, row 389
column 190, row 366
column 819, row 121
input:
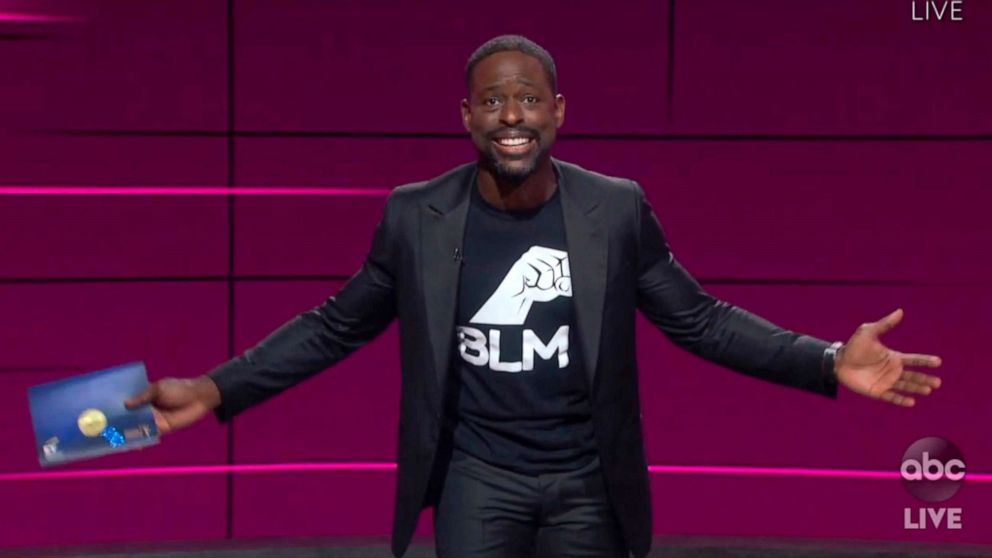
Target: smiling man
column 517, row 279
column 513, row 112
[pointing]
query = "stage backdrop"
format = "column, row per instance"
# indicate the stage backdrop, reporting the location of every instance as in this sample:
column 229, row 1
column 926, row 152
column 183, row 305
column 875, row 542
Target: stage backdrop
column 820, row 163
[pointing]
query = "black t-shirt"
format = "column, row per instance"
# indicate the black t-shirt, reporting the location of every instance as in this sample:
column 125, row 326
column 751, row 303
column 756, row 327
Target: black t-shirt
column 523, row 402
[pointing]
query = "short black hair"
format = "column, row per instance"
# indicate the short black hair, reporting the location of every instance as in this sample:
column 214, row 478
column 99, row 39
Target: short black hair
column 517, row 43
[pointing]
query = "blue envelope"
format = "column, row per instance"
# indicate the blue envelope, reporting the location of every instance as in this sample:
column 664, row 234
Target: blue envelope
column 84, row 416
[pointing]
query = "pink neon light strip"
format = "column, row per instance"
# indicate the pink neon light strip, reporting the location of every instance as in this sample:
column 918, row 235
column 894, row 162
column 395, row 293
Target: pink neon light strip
column 200, row 470
column 378, row 467
column 13, row 17
column 184, row 191
column 773, row 471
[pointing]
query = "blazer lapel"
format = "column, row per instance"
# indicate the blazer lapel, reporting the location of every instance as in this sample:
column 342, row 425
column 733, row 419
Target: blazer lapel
column 587, row 254
column 442, row 229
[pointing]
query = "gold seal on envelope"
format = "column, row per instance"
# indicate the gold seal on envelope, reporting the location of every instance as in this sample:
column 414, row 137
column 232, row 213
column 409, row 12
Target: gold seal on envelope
column 92, row 422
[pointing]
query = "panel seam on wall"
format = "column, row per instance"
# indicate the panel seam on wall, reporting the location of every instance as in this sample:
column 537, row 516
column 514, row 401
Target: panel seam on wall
column 231, row 182
column 332, row 277
column 596, row 136
column 671, row 61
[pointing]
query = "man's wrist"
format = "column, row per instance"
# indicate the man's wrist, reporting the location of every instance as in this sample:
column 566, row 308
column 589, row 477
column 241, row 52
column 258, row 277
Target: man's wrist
column 207, row 391
column 830, row 357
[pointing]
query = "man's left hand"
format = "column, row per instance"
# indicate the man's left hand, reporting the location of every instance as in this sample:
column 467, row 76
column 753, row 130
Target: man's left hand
column 864, row 365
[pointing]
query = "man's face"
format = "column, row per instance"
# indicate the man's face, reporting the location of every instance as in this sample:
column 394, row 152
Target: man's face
column 512, row 113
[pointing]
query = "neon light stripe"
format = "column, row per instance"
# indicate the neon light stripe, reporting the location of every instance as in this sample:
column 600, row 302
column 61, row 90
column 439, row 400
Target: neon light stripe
column 773, row 471
column 184, row 191
column 199, row 470
column 380, row 467
column 12, row 17
column 793, row 472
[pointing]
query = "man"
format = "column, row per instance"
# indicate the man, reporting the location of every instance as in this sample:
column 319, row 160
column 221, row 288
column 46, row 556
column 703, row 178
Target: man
column 516, row 280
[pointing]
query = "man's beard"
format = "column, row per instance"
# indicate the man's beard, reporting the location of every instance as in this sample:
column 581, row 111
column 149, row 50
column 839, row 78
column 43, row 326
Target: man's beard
column 513, row 174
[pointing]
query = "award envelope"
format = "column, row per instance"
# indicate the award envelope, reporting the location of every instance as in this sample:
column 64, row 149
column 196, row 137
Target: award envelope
column 84, row 416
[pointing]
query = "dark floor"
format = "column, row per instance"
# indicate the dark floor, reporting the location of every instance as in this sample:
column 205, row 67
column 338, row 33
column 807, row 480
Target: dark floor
column 664, row 547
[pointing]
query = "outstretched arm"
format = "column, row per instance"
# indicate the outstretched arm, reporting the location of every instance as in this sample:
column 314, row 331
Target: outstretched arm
column 307, row 344
column 318, row 338
column 735, row 338
column 718, row 331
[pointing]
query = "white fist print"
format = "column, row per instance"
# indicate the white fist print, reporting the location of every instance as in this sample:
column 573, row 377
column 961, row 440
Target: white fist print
column 540, row 275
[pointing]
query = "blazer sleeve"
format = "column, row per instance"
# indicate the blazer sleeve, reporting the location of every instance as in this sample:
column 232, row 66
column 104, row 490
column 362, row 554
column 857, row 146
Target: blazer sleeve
column 715, row 330
column 320, row 337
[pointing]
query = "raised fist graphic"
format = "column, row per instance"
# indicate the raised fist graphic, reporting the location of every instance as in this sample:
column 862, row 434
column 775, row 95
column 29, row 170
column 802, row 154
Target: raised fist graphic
column 540, row 275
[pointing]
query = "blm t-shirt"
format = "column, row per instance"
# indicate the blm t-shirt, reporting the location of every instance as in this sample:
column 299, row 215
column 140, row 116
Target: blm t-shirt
column 523, row 401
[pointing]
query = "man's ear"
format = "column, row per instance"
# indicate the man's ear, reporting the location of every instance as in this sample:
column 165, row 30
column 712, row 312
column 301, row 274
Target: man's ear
column 559, row 110
column 466, row 114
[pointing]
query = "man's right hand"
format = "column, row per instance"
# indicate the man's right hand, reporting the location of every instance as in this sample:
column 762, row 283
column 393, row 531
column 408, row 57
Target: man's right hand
column 178, row 402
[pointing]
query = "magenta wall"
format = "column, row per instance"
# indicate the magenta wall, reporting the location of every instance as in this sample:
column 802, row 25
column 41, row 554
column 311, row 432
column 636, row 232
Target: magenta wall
column 820, row 163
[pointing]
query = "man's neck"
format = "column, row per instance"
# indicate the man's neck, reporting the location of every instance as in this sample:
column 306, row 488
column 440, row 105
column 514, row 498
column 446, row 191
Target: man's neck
column 518, row 196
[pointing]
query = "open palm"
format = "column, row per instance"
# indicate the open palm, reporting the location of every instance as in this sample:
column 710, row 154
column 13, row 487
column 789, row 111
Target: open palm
column 866, row 366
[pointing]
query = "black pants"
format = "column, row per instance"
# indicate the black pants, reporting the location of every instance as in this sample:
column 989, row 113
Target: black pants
column 488, row 512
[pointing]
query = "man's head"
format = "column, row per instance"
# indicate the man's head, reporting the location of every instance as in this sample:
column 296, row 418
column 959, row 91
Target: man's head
column 512, row 110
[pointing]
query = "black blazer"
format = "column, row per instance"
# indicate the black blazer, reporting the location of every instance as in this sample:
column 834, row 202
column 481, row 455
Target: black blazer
column 620, row 262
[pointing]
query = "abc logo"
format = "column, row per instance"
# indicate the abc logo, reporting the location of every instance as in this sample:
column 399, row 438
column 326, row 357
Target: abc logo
column 932, row 469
